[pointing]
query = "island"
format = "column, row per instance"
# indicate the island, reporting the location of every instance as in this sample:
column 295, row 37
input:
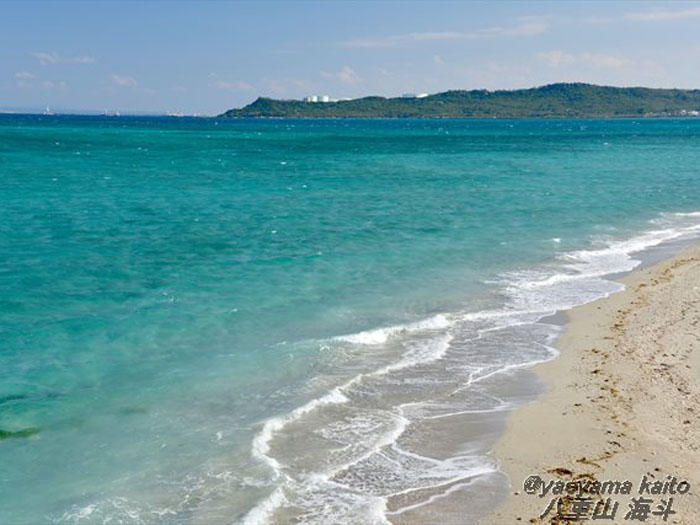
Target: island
column 561, row 100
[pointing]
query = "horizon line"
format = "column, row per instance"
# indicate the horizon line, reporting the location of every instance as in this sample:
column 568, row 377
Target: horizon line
column 181, row 114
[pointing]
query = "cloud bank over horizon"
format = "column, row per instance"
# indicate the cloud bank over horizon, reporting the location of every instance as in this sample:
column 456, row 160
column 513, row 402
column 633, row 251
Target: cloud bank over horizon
column 207, row 57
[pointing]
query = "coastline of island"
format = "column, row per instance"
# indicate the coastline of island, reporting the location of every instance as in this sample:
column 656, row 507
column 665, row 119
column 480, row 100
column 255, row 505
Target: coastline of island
column 559, row 100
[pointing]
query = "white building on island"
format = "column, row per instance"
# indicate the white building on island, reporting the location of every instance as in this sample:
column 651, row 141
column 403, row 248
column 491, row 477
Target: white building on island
column 318, row 98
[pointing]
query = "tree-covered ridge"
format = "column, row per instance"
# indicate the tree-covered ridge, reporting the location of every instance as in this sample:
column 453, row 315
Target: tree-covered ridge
column 553, row 101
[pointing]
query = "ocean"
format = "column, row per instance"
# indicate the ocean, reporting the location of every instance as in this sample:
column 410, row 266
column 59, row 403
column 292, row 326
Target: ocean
column 327, row 321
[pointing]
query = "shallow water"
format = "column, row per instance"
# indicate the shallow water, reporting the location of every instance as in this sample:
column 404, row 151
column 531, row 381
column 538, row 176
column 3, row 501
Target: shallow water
column 207, row 320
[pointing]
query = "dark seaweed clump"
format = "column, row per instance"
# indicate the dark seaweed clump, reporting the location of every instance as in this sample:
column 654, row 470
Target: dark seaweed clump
column 23, row 433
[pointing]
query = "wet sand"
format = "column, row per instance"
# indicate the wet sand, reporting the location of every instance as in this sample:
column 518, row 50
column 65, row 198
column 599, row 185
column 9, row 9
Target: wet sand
column 622, row 402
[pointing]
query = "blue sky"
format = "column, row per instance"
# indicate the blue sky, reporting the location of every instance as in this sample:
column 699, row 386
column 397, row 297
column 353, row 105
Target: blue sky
column 206, row 57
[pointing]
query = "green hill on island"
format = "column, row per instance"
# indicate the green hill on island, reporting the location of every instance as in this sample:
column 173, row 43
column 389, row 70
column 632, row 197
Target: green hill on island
column 551, row 101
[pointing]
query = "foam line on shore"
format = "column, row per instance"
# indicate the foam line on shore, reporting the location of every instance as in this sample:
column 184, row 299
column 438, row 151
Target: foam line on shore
column 573, row 278
column 381, row 335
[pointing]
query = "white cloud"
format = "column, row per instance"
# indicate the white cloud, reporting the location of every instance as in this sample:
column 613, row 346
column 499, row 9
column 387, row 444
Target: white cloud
column 346, row 75
column 556, row 58
column 83, row 60
column 529, row 27
column 232, row 86
column 125, row 81
column 596, row 20
column 663, row 14
column 560, row 58
column 599, row 60
column 390, row 41
column 25, row 78
column 52, row 85
column 525, row 26
column 434, row 35
column 24, row 75
column 46, row 59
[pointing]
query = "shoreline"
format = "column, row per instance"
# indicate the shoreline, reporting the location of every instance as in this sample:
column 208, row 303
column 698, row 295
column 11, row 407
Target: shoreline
column 621, row 400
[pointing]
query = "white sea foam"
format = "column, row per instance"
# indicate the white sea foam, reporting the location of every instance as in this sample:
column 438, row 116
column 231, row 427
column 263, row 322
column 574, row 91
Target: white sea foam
column 553, row 352
column 512, row 337
column 421, row 353
column 452, row 488
column 417, row 354
column 262, row 513
column 381, row 335
column 118, row 510
column 578, row 277
column 261, row 442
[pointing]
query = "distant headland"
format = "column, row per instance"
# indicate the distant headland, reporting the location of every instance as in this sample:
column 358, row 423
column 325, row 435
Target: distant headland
column 563, row 100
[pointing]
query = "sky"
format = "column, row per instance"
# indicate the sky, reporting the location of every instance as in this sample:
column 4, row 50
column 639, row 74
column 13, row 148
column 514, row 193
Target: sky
column 208, row 56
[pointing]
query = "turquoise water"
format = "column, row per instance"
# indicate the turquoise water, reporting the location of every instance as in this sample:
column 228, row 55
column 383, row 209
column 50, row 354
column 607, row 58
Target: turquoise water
column 167, row 286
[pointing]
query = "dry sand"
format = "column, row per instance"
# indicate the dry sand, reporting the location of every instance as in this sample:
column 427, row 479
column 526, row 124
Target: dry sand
column 623, row 399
